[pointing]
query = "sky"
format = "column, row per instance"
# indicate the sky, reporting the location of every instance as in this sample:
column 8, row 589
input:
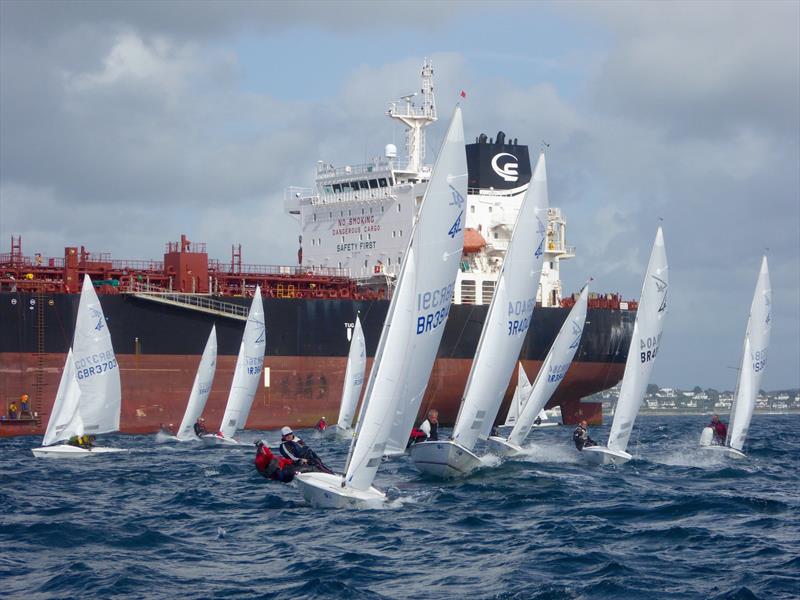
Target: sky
column 123, row 125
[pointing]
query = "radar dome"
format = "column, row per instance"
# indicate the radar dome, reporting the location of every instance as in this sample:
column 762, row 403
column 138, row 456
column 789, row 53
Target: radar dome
column 390, row 151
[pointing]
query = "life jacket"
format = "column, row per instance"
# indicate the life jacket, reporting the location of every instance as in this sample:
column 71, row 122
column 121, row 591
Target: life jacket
column 272, row 467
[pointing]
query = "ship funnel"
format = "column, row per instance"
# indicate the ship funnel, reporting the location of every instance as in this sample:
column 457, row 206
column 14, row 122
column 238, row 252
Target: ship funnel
column 390, row 151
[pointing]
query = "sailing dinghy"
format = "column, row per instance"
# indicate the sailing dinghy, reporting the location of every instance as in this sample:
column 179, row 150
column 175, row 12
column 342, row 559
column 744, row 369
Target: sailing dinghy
column 551, row 374
column 507, row 322
column 754, row 361
column 198, row 397
column 411, row 333
column 88, row 399
column 645, row 344
column 246, row 376
column 353, row 381
column 521, row 394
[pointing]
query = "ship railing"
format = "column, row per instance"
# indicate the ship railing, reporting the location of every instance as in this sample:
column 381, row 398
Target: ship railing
column 219, row 268
column 195, row 301
column 329, row 171
column 360, row 197
column 137, row 265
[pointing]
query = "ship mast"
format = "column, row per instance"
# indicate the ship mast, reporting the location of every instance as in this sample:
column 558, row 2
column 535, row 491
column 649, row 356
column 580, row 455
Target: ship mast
column 416, row 118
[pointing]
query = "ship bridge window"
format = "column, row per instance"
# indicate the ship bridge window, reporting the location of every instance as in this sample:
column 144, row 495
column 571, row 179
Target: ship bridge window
column 364, row 185
column 487, row 291
column 382, row 182
column 328, row 189
column 373, row 183
column 337, row 188
column 468, row 291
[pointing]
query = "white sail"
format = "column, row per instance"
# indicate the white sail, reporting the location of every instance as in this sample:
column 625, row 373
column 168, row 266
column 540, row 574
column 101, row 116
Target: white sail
column 553, row 370
column 417, row 314
column 645, row 343
column 353, row 377
column 65, row 419
column 509, row 317
column 201, row 388
column 248, row 369
column 96, row 366
column 521, row 393
column 754, row 359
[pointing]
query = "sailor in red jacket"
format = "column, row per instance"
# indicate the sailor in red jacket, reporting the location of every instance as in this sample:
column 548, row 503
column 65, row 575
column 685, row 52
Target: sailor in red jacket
column 271, row 466
column 720, row 430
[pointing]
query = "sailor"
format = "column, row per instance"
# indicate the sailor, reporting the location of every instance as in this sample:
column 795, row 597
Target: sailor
column 537, row 421
column 167, row 429
column 322, row 424
column 271, row 466
column 25, row 406
column 200, row 427
column 12, row 410
column 581, row 436
column 302, row 457
column 720, row 430
column 430, row 426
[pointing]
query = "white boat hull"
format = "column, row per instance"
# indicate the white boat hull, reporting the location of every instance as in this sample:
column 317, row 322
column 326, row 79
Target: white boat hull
column 725, row 450
column 212, row 439
column 502, row 447
column 600, row 455
column 444, row 460
column 67, row 451
column 323, row 490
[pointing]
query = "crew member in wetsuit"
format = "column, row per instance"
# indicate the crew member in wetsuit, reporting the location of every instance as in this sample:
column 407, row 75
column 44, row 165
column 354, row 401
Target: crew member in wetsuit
column 302, row 457
column 720, row 430
column 428, row 431
column 200, row 427
column 271, row 466
column 581, row 436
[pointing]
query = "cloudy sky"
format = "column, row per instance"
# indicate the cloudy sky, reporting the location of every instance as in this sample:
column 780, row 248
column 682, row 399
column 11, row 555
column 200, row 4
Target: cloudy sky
column 123, row 125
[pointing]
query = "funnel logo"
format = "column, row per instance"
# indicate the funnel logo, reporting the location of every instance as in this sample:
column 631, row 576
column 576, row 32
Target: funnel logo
column 506, row 165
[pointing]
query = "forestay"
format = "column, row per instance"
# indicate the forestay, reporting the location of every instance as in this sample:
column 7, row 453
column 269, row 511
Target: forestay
column 509, row 316
column 201, row 388
column 554, row 368
column 645, row 344
column 438, row 241
column 417, row 314
column 353, row 376
column 521, row 394
column 754, row 359
column 96, row 368
column 247, row 373
column 65, row 419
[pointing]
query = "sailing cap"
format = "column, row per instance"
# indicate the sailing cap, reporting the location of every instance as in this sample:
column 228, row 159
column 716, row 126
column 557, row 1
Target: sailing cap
column 286, row 431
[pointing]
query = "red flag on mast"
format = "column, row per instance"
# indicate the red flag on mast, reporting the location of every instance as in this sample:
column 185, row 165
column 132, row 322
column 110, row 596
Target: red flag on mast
column 463, row 94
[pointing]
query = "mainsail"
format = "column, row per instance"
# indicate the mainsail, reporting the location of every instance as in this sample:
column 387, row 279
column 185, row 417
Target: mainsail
column 509, row 318
column 645, row 344
column 249, row 365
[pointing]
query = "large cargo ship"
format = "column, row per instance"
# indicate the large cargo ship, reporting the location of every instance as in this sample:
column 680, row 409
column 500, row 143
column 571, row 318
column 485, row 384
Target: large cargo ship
column 354, row 228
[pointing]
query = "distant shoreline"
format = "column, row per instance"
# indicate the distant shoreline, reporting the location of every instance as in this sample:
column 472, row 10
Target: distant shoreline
column 672, row 413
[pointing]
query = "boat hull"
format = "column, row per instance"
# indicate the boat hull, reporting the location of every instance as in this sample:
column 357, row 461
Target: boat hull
column 502, row 447
column 158, row 349
column 725, row 451
column 323, row 490
column 600, row 455
column 64, row 451
column 444, row 460
column 213, row 439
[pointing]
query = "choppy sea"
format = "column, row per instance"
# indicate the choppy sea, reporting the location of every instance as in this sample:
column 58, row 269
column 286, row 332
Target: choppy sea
column 167, row 521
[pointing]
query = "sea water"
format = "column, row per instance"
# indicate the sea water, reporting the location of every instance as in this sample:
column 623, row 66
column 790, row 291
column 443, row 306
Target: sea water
column 185, row 521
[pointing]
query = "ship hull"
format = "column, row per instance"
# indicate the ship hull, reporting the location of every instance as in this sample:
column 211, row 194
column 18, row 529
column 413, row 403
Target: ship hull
column 158, row 349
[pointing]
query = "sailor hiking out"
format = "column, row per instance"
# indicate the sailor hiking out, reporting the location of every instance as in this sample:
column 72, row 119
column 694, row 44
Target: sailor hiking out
column 273, row 467
column 302, row 457
column 581, row 436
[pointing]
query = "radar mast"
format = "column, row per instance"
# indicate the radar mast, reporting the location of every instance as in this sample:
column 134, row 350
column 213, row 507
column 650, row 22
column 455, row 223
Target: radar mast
column 416, row 118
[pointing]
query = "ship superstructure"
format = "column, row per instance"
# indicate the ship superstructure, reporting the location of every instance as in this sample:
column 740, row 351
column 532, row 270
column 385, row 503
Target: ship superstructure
column 359, row 217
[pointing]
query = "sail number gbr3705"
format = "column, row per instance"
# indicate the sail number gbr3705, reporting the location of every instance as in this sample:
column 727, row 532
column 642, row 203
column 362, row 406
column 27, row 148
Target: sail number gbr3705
column 436, row 307
column 94, row 364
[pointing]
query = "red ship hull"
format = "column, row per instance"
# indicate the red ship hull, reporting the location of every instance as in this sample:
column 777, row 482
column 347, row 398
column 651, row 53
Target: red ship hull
column 155, row 389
